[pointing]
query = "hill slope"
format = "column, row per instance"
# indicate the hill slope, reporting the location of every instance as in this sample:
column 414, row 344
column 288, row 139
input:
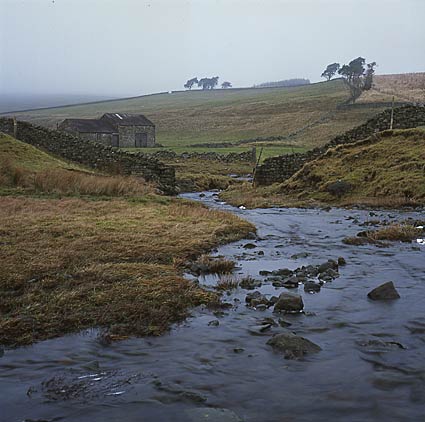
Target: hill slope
column 17, row 153
column 386, row 169
column 188, row 117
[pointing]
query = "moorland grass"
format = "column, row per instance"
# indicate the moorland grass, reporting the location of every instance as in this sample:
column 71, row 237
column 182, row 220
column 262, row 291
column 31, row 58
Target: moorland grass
column 71, row 264
column 385, row 170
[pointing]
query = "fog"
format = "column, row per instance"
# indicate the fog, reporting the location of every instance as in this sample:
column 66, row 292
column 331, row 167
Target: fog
column 130, row 47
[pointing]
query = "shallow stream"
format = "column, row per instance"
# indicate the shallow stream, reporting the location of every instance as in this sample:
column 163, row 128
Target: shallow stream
column 371, row 367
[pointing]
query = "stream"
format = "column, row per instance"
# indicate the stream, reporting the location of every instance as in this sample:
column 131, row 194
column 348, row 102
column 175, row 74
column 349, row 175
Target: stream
column 371, row 366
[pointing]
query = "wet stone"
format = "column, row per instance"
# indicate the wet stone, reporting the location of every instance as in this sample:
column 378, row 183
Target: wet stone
column 385, row 291
column 283, row 272
column 341, row 261
column 249, row 246
column 289, row 302
column 256, row 298
column 311, row 287
column 214, row 323
column 259, row 330
column 293, row 346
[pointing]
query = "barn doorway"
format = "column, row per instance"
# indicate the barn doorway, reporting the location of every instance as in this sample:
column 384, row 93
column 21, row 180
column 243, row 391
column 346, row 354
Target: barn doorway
column 115, row 141
column 141, row 140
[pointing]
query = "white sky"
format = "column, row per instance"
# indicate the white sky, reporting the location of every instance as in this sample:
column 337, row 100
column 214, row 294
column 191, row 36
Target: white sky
column 131, row 47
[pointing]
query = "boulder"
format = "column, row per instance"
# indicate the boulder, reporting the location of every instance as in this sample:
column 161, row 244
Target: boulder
column 289, row 302
column 385, row 291
column 292, row 346
column 311, row 287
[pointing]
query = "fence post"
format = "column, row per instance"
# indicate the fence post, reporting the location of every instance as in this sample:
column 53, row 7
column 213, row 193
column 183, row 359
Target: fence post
column 15, row 128
column 392, row 115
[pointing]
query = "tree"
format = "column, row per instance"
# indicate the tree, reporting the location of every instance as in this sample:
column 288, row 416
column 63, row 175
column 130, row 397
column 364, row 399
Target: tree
column 190, row 83
column 208, row 83
column 330, row 71
column 368, row 79
column 358, row 78
column 226, row 84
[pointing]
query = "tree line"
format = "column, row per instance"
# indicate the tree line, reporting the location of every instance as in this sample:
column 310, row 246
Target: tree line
column 206, row 83
column 357, row 73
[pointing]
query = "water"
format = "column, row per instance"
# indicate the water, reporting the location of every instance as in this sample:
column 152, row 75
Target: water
column 77, row 378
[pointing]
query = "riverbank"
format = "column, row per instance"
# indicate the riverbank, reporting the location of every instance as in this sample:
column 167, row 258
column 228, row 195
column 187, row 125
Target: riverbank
column 220, row 365
column 385, row 170
column 116, row 264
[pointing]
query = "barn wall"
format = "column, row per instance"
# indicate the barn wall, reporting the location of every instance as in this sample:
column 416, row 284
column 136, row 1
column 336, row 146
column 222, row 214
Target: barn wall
column 128, row 135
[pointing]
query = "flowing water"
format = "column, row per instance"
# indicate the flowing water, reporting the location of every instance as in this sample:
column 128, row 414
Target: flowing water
column 371, row 367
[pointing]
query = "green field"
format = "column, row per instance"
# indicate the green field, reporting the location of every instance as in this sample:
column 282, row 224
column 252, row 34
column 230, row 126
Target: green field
column 193, row 117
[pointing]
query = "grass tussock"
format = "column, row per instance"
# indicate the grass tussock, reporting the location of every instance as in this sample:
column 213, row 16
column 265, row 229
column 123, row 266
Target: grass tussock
column 227, row 283
column 211, row 265
column 71, row 264
column 71, row 182
column 393, row 233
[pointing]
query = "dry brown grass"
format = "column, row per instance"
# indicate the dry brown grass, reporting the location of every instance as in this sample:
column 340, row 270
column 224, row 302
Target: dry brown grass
column 227, row 283
column 71, row 182
column 405, row 87
column 396, row 232
column 71, row 264
column 393, row 233
column 216, row 265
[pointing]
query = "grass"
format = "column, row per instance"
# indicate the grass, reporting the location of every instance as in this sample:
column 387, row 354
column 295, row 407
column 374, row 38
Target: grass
column 393, row 232
column 71, row 264
column 384, row 170
column 26, row 169
column 406, row 86
column 112, row 259
column 193, row 117
column 216, row 265
column 20, row 154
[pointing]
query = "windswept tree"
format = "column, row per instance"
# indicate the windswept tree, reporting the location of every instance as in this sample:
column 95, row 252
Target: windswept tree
column 189, row 84
column 358, row 78
column 208, row 83
column 226, row 84
column 368, row 78
column 330, row 71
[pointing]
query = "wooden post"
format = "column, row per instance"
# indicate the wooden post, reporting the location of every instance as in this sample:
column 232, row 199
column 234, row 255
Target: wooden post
column 15, row 128
column 392, row 115
column 256, row 165
column 254, row 155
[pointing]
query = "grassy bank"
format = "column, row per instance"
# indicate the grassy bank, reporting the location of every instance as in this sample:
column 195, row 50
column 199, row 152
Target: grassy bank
column 71, row 264
column 385, row 170
column 80, row 249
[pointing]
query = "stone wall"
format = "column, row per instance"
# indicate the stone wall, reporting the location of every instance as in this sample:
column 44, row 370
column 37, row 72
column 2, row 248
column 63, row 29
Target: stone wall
column 278, row 169
column 232, row 157
column 94, row 154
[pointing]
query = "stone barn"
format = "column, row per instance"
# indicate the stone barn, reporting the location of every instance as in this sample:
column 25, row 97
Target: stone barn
column 113, row 129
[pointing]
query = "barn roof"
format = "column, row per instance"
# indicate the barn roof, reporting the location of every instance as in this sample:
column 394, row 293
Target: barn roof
column 108, row 123
column 124, row 119
column 90, row 125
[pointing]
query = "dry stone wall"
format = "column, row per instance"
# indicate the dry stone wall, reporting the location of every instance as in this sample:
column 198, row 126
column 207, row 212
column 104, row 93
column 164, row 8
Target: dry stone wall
column 93, row 154
column 278, row 169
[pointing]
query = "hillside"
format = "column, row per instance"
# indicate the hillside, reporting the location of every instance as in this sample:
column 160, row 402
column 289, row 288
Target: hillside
column 193, row 117
column 386, row 169
column 20, row 154
column 404, row 87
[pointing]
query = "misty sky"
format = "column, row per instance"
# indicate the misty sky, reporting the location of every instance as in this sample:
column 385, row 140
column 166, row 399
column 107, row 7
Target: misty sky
column 132, row 47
